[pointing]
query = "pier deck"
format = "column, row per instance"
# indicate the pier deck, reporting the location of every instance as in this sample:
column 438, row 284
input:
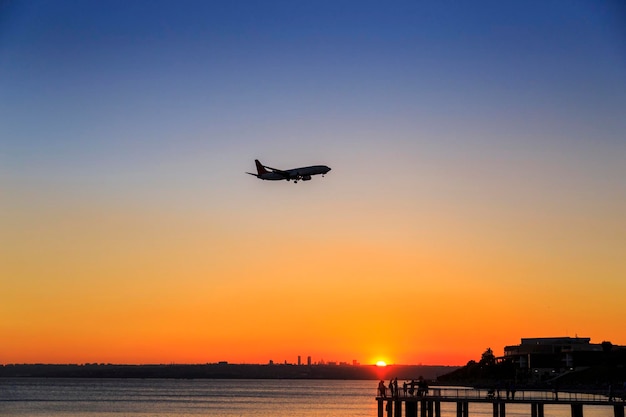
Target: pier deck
column 430, row 403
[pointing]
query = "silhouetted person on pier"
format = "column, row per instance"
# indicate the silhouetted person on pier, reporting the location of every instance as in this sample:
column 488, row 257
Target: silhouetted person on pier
column 404, row 388
column 422, row 387
column 412, row 387
column 382, row 390
column 391, row 388
column 395, row 387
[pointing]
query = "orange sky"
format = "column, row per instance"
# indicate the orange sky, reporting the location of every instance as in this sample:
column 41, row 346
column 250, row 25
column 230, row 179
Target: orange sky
column 107, row 281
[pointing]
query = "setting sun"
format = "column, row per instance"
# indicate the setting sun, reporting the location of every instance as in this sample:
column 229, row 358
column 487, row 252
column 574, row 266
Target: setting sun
column 381, row 363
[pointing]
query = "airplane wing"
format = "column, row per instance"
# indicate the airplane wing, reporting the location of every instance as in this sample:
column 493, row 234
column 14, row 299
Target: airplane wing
column 278, row 171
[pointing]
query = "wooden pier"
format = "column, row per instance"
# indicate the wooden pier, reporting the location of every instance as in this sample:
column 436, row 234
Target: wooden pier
column 429, row 404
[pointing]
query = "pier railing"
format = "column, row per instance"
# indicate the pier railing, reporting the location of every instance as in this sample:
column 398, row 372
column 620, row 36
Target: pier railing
column 429, row 400
column 487, row 395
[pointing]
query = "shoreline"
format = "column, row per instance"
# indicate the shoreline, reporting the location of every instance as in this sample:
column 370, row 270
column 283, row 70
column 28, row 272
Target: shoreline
column 226, row 371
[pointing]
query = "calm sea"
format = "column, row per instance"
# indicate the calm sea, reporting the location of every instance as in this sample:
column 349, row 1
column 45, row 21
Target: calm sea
column 178, row 398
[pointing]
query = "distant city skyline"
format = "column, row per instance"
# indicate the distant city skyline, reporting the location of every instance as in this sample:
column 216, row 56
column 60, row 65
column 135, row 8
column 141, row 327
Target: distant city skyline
column 477, row 189
column 310, row 362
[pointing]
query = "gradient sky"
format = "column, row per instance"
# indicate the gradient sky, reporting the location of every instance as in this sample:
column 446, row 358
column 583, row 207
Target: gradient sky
column 477, row 192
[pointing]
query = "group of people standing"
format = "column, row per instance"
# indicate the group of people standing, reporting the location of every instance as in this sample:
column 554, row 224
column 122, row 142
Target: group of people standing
column 419, row 388
column 493, row 393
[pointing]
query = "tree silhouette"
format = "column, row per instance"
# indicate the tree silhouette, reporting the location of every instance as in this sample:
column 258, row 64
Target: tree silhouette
column 488, row 358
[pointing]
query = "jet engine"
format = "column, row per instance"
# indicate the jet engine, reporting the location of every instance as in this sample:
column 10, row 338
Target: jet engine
column 306, row 177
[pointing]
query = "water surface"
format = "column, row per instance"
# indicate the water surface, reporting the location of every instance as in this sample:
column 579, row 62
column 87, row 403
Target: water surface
column 56, row 397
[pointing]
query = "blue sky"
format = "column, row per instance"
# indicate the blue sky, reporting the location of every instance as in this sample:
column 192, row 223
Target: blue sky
column 90, row 88
column 312, row 60
column 458, row 132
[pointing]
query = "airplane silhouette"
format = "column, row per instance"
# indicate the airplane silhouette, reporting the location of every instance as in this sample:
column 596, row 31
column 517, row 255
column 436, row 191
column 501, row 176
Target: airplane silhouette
column 295, row 174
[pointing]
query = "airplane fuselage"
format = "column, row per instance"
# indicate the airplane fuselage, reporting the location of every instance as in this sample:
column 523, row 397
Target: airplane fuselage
column 303, row 173
column 295, row 174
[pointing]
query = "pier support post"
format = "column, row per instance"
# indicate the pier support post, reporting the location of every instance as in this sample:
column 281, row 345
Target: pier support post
column 536, row 410
column 618, row 410
column 540, row 410
column 499, row 409
column 389, row 408
column 411, row 409
column 381, row 408
column 577, row 410
column 423, row 408
column 462, row 409
column 398, row 411
column 430, row 408
column 438, row 409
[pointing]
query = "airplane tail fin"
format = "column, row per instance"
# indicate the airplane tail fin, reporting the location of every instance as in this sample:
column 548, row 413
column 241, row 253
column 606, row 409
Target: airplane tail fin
column 259, row 167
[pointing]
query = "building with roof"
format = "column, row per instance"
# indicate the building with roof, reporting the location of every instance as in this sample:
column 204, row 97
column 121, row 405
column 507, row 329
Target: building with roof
column 554, row 355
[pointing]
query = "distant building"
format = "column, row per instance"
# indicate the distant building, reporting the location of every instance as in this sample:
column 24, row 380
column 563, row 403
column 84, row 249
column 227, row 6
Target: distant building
column 308, row 361
column 555, row 354
column 299, row 360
